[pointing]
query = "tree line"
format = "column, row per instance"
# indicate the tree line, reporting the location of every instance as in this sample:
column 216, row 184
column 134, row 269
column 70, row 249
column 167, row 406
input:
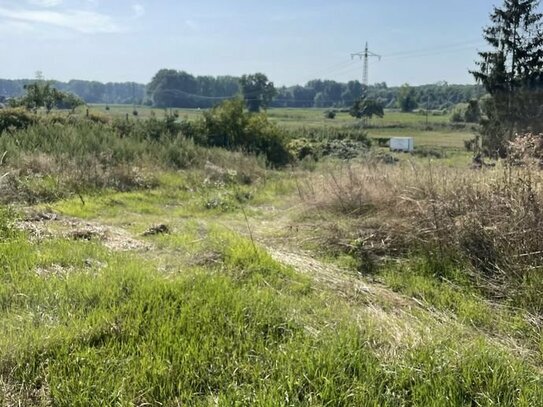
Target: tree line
column 172, row 88
column 89, row 91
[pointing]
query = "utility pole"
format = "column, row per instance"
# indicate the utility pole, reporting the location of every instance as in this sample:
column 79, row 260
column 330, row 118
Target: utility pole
column 365, row 56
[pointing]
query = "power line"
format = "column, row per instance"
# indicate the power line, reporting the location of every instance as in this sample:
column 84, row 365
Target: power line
column 433, row 50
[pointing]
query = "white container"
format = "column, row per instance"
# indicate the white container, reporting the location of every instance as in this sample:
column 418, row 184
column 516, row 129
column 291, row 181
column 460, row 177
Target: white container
column 404, row 144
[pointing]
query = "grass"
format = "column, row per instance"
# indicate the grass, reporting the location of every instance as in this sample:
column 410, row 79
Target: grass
column 394, row 123
column 361, row 284
column 86, row 326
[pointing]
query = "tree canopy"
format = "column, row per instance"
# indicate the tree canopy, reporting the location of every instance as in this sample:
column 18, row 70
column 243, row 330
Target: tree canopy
column 42, row 94
column 167, row 90
column 258, row 91
column 512, row 72
column 407, row 101
column 367, row 108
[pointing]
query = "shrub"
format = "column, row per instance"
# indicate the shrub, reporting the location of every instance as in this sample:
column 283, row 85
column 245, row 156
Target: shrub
column 230, row 127
column 458, row 114
column 53, row 159
column 526, row 149
column 466, row 112
column 15, row 119
column 330, row 114
column 429, row 152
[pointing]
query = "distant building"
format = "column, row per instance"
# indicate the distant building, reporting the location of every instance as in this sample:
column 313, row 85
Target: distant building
column 404, row 144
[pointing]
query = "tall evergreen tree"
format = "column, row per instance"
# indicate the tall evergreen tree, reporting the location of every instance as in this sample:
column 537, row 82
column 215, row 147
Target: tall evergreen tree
column 512, row 72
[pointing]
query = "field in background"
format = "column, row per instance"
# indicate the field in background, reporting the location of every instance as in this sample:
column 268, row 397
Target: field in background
column 434, row 131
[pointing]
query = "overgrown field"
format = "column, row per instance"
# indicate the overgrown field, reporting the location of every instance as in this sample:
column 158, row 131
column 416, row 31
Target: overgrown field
column 144, row 264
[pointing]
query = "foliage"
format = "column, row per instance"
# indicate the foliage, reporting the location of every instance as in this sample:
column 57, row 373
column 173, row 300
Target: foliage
column 511, row 72
column 171, row 88
column 326, row 93
column 473, row 112
column 89, row 91
column 15, row 119
column 258, row 92
column 43, row 95
column 466, row 112
column 406, row 99
column 170, row 91
column 330, row 114
column 229, row 126
column 50, row 159
column 526, row 150
column 367, row 108
column 7, row 223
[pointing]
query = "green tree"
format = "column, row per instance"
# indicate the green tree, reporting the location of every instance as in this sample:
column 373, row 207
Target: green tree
column 257, row 91
column 42, row 95
column 512, row 73
column 367, row 108
column 406, row 99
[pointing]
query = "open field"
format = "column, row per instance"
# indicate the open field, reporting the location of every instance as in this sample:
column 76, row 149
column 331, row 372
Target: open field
column 138, row 267
column 437, row 132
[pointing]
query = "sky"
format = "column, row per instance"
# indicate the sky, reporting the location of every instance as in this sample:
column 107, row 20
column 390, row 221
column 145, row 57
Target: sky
column 291, row 41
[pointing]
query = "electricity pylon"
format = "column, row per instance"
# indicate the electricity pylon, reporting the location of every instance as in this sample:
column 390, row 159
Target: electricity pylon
column 366, row 56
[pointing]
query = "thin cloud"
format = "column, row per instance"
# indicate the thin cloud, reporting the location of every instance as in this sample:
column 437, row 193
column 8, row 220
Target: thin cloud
column 139, row 10
column 87, row 22
column 45, row 3
column 15, row 27
column 193, row 25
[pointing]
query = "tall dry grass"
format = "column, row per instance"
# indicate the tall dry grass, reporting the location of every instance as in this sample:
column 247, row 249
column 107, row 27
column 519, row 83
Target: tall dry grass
column 489, row 219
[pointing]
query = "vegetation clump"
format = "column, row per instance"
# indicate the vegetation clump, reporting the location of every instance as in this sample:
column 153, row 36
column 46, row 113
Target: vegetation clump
column 230, row 127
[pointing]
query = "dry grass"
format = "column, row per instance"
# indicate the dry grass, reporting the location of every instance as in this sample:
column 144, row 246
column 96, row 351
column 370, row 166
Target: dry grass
column 490, row 218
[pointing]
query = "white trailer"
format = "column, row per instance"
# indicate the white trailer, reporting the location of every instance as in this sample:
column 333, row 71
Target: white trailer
column 404, row 144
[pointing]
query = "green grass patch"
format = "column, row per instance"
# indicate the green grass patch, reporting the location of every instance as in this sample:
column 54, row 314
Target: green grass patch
column 84, row 326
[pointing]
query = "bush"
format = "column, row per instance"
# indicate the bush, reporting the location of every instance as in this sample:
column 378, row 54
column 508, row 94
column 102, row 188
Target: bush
column 458, row 114
column 15, row 119
column 59, row 156
column 428, row 152
column 330, row 114
column 229, row 126
column 466, row 112
column 326, row 134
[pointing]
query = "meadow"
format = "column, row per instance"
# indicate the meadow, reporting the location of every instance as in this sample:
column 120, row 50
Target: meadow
column 434, row 131
column 154, row 270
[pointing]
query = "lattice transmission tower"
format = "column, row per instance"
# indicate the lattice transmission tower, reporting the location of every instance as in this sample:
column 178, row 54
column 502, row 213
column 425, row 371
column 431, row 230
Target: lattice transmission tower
column 365, row 56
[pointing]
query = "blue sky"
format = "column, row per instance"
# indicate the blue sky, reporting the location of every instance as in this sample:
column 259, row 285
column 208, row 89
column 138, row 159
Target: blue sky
column 292, row 41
